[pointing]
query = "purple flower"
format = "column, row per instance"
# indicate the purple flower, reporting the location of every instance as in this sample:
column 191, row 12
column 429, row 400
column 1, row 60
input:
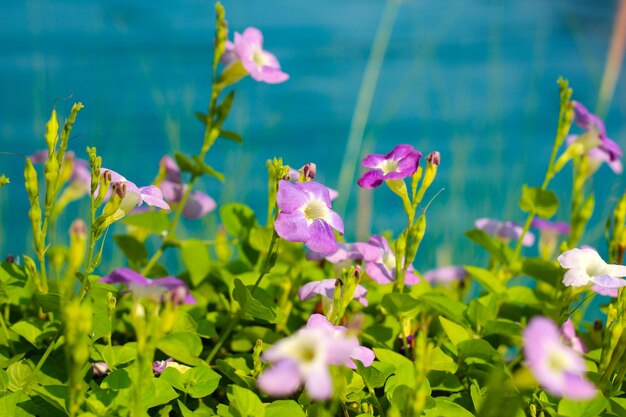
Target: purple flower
column 361, row 353
column 398, row 164
column 99, row 369
column 568, row 333
column 159, row 366
column 607, row 292
column 248, row 48
column 548, row 226
column 306, row 216
column 587, row 267
column 606, row 150
column 304, row 359
column 558, row 368
column 504, row 230
column 326, row 288
column 133, row 196
column 381, row 262
column 344, row 252
column 294, row 176
column 198, row 203
column 168, row 288
column 445, row 274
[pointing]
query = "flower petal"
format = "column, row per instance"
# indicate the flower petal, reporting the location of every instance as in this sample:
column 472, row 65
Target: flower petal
column 125, row 276
column 152, row 196
column 578, row 258
column 363, row 354
column 335, row 221
column 616, row 270
column 321, row 238
column 608, row 281
column 576, row 278
column 314, row 189
column 293, row 227
column 318, row 382
column 198, row 205
column 280, row 380
column 371, row 179
column 373, row 160
column 289, row 197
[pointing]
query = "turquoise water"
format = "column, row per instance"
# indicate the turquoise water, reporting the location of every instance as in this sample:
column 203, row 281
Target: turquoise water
column 474, row 80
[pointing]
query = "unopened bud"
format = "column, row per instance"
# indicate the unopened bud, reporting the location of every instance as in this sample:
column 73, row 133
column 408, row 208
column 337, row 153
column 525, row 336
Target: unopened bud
column 78, row 244
column 307, row 172
column 52, row 131
column 10, row 259
column 111, row 303
column 434, row 158
column 30, row 180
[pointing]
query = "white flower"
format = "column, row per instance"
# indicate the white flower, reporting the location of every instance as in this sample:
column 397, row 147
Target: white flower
column 586, row 267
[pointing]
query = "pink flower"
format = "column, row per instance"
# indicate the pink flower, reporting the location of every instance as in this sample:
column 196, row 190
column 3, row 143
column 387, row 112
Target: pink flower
column 306, row 216
column 568, row 333
column 587, row 267
column 198, row 204
column 445, row 274
column 558, row 368
column 381, row 262
column 398, row 164
column 344, row 252
column 168, row 288
column 260, row 64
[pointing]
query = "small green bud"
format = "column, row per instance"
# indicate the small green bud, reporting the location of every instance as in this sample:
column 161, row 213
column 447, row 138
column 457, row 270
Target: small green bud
column 4, row 180
column 105, row 183
column 256, row 357
column 30, row 180
column 78, row 244
column 111, row 303
column 51, row 173
column 52, row 132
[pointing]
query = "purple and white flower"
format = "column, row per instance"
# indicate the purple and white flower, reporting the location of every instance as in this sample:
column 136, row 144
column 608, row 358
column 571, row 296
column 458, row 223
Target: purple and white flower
column 381, row 262
column 587, row 267
column 306, row 216
column 506, row 230
column 326, row 288
column 198, row 203
column 81, row 173
column 304, row 359
column 260, row 64
column 558, row 368
column 398, row 164
column 445, row 274
column 161, row 289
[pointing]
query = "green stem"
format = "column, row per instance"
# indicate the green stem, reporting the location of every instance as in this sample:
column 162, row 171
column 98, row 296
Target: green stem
column 49, row 350
column 242, row 312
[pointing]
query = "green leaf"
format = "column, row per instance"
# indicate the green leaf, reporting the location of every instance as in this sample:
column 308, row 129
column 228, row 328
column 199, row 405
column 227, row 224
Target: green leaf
column 445, row 407
column 183, row 346
column 196, row 259
column 443, row 304
column 252, row 306
column 497, row 249
column 231, row 75
column 50, row 303
column 522, row 295
column 238, row 219
column 400, row 304
column 185, row 163
column 13, row 405
column 438, row 360
column 284, row 408
column 487, row 279
column 29, row 329
column 118, row 379
column 154, row 221
column 245, row 402
column 203, row 168
column 479, row 349
column 589, row 408
column 536, row 200
column 157, row 392
column 21, row 377
column 372, row 377
column 202, row 381
column 455, row 332
column 542, row 270
column 503, row 327
column 235, row 137
column 134, row 250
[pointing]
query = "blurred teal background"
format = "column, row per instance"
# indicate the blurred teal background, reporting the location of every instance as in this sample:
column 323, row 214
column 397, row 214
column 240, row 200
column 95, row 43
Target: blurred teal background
column 475, row 80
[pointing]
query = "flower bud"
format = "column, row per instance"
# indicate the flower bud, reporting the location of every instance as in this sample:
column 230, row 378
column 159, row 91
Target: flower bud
column 433, row 160
column 30, row 180
column 104, row 184
column 307, row 172
column 256, row 357
column 10, row 259
column 51, row 173
column 52, row 132
column 111, row 303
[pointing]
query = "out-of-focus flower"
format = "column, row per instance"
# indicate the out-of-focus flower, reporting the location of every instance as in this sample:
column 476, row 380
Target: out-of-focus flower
column 445, row 274
column 198, row 203
column 159, row 366
column 597, row 144
column 568, row 332
column 304, row 359
column 549, row 233
column 326, row 288
column 81, row 174
column 586, row 267
column 548, row 226
column 260, row 64
column 398, row 164
column 168, row 288
column 381, row 262
column 306, row 216
column 558, row 368
column 504, row 230
column 344, row 252
column 361, row 353
column 294, row 176
column 99, row 369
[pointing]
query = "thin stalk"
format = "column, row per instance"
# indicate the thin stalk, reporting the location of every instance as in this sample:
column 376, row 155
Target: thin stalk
column 242, row 312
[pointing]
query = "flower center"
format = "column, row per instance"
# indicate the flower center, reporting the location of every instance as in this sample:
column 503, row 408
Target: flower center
column 315, row 209
column 389, row 260
column 259, row 58
column 388, row 165
column 557, row 362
